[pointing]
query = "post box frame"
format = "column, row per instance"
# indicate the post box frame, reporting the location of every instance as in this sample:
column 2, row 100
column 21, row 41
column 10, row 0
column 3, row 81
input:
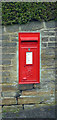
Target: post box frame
column 30, row 51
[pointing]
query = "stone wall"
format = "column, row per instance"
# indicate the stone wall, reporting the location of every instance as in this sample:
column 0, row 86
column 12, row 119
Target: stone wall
column 14, row 96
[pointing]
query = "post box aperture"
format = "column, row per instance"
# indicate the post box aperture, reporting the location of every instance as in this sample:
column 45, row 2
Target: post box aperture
column 29, row 58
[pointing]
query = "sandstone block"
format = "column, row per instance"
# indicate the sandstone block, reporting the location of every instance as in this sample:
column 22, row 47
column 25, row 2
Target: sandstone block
column 8, row 100
column 9, row 93
column 36, row 93
column 28, row 100
column 35, row 100
column 8, row 87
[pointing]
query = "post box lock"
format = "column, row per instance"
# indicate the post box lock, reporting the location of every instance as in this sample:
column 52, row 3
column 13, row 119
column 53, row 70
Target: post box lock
column 29, row 58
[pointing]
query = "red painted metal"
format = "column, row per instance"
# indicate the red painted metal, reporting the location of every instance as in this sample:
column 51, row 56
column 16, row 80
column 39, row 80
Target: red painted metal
column 29, row 57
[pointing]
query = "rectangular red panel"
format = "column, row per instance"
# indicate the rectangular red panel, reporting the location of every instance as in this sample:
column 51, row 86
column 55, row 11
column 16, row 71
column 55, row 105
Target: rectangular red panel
column 29, row 58
column 29, row 38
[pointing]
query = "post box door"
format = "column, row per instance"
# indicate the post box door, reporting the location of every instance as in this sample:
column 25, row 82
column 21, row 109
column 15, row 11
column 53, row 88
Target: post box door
column 28, row 68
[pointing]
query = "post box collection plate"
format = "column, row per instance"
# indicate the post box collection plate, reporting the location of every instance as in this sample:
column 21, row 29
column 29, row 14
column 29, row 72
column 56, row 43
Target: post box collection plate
column 29, row 57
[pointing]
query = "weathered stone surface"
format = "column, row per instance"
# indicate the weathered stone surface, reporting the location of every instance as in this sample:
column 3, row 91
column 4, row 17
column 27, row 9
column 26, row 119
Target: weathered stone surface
column 0, row 37
column 0, row 60
column 50, row 44
column 14, row 39
column 8, row 87
column 1, row 68
column 52, row 39
column 5, row 37
column 32, row 26
column 0, row 101
column 12, row 108
column 36, row 93
column 47, row 33
column 45, row 66
column 14, row 34
column 0, row 79
column 44, row 45
column 9, row 80
column 10, row 90
column 48, row 62
column 29, row 106
column 0, row 43
column 6, row 68
column 29, row 100
column 5, row 44
column 0, row 87
column 44, row 39
column 50, row 101
column 0, row 109
column 11, row 29
column 9, row 93
column 15, row 87
column 45, row 85
column 48, row 56
column 48, row 53
column 25, row 86
column 51, row 24
column 5, row 80
column 46, row 76
column 9, row 101
column 5, row 74
column 7, row 56
column 0, row 73
column 35, row 100
column 0, row 52
column 14, row 73
column 6, row 62
column 1, row 28
column 28, row 93
column 9, row 50
column 0, row 94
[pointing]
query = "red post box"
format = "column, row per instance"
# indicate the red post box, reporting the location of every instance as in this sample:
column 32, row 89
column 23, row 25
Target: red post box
column 29, row 58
